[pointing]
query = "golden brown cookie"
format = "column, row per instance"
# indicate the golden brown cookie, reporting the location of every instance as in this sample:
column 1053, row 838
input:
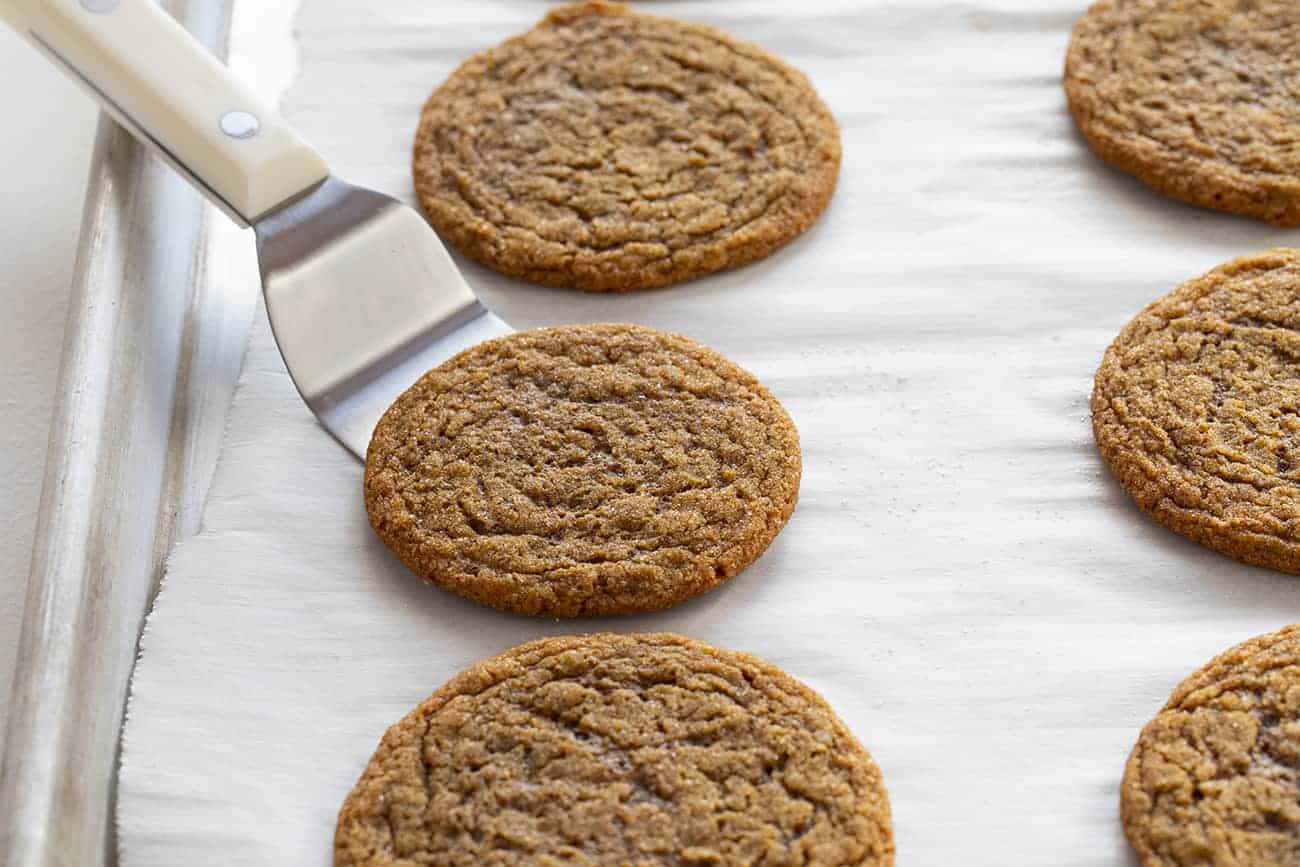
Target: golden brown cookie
column 1196, row 408
column 1215, row 778
column 1197, row 98
column 618, row 750
column 609, row 150
column 582, row 470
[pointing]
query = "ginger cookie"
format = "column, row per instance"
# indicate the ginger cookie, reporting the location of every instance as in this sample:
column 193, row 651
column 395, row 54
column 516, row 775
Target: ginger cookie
column 582, row 470
column 1215, row 778
column 618, row 749
column 1196, row 409
column 1197, row 98
column 609, row 150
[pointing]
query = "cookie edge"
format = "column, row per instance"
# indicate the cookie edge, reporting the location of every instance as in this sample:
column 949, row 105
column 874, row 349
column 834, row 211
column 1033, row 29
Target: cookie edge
column 487, row 672
column 622, row 279
column 1135, row 804
column 727, row 565
column 1254, row 549
column 1169, row 172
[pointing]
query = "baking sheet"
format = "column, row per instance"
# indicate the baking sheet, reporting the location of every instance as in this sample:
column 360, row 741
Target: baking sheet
column 151, row 356
column 961, row 580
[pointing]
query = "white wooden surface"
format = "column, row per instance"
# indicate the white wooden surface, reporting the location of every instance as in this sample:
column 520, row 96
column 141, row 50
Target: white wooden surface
column 961, row 580
column 43, row 156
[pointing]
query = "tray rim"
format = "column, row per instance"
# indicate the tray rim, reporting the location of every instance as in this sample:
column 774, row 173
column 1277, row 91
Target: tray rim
column 146, row 376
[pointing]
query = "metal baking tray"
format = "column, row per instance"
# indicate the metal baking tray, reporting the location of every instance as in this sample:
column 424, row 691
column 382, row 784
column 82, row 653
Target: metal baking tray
column 162, row 295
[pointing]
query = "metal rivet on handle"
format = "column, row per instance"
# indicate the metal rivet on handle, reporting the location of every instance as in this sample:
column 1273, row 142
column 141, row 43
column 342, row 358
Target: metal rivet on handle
column 99, row 5
column 239, row 124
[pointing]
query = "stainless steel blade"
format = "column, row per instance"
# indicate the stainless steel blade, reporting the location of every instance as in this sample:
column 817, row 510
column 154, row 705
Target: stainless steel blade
column 363, row 299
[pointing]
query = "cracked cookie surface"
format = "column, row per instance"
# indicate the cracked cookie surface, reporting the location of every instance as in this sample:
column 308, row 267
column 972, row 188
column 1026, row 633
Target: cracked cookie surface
column 609, row 150
column 1196, row 409
column 1197, row 98
column 582, row 470
column 618, row 749
column 1215, row 778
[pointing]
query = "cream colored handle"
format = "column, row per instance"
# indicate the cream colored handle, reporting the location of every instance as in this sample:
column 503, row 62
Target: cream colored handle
column 161, row 83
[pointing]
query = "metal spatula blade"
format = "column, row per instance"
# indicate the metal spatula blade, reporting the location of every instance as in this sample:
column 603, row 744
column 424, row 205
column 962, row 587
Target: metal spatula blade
column 361, row 294
column 363, row 299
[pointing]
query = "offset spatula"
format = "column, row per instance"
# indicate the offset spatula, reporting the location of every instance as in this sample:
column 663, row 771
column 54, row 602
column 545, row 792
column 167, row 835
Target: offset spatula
column 361, row 295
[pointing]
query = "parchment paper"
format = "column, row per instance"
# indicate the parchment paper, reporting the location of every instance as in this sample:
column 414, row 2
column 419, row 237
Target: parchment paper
column 962, row 580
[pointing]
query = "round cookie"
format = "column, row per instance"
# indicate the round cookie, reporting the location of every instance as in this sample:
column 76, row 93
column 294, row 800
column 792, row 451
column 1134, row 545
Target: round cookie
column 1215, row 778
column 1195, row 97
column 609, row 150
column 582, row 470
column 618, row 749
column 1196, row 408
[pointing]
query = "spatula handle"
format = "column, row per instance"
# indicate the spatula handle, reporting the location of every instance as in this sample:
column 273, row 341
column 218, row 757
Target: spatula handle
column 161, row 84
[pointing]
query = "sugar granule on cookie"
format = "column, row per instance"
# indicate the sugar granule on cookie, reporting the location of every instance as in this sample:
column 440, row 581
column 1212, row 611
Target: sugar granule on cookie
column 582, row 470
column 1215, row 777
column 609, row 150
column 1196, row 409
column 619, row 749
column 1197, row 98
